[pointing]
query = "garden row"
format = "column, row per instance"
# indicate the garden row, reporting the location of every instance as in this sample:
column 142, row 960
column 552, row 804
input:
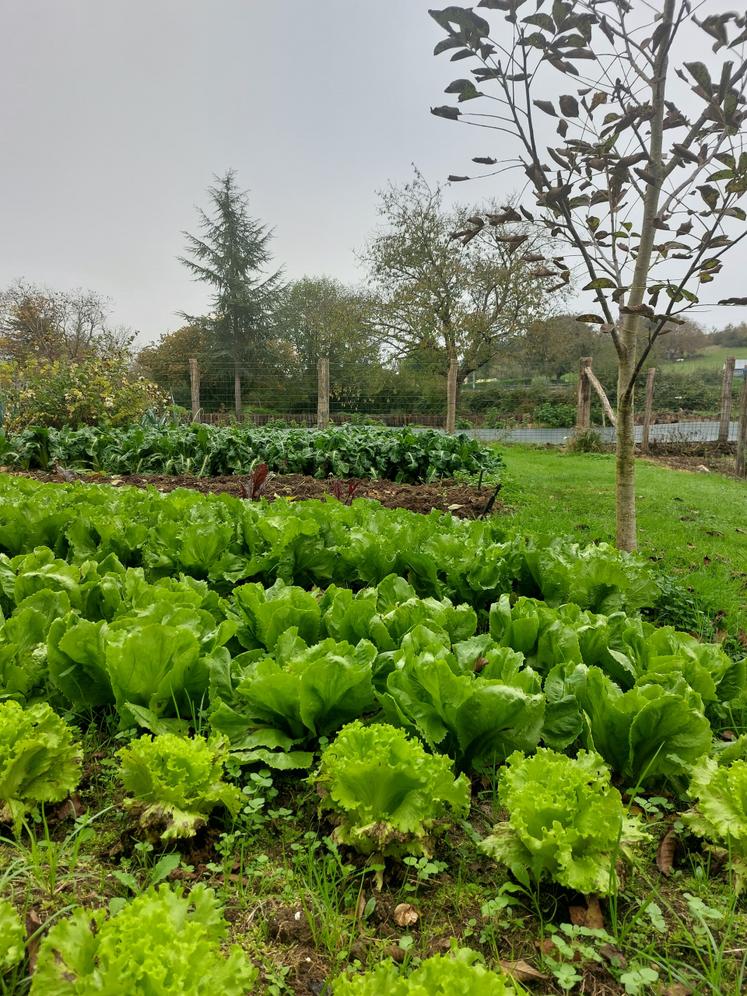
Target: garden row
column 396, row 657
column 160, row 447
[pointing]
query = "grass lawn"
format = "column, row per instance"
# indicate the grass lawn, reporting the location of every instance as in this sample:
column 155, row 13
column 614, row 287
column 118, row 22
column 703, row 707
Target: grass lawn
column 711, row 358
column 695, row 524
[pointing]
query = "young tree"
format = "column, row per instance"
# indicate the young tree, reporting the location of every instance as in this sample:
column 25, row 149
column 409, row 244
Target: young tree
column 232, row 256
column 642, row 192
column 446, row 281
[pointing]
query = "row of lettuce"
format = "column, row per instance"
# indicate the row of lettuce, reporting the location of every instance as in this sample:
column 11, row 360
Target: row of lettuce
column 169, row 942
column 226, row 541
column 155, row 447
column 387, row 693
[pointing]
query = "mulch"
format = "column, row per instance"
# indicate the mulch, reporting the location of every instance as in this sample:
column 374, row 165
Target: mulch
column 463, row 500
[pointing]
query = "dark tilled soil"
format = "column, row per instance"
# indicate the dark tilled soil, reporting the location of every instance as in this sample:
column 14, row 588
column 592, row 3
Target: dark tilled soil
column 716, row 458
column 463, row 500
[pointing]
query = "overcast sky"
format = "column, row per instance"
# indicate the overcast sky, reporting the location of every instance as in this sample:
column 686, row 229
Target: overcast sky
column 114, row 117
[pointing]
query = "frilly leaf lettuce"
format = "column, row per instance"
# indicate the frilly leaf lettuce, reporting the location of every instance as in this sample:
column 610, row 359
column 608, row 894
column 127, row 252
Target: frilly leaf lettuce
column 39, row 760
column 720, row 811
column 176, row 781
column 12, row 937
column 161, row 942
column 565, row 821
column 386, row 794
column 460, row 973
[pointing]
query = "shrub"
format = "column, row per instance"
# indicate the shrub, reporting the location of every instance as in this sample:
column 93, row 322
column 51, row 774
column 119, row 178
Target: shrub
column 565, row 821
column 555, row 415
column 59, row 393
column 586, row 441
column 161, row 942
column 39, row 761
column 388, row 796
column 177, row 781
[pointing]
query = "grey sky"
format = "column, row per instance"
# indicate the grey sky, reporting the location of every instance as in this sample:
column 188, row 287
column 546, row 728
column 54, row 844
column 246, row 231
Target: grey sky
column 115, row 115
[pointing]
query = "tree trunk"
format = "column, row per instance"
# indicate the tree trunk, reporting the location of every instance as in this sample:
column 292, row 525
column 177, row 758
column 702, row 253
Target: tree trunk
column 627, row 347
column 237, row 391
column 452, row 383
column 625, row 458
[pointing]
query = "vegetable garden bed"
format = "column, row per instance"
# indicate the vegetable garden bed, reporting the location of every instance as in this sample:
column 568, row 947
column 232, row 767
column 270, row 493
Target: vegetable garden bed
column 400, row 455
column 466, row 501
column 374, row 735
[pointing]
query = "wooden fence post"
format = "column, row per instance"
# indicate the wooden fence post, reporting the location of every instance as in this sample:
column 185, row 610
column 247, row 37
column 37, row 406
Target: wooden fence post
column 649, row 409
column 723, row 429
column 583, row 398
column 742, row 433
column 194, row 380
column 322, row 398
column 451, row 395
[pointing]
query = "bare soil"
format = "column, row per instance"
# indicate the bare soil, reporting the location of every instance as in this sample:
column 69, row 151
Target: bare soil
column 463, row 500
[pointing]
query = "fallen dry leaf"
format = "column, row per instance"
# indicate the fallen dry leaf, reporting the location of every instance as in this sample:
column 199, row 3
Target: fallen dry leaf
column 522, row 971
column 589, row 915
column 33, row 922
column 677, row 989
column 613, row 956
column 405, row 915
column 666, row 851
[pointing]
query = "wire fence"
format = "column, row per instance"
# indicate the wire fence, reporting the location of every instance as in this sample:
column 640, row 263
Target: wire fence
column 522, row 409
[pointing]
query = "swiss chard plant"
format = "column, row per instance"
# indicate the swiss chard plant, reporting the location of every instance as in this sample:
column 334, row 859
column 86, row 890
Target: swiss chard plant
column 385, row 794
column 565, row 821
column 163, row 941
column 39, row 759
column 174, row 782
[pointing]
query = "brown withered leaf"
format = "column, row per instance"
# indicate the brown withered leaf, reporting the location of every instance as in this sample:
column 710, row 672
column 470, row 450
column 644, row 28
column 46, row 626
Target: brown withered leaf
column 33, row 923
column 666, row 851
column 589, row 915
column 405, row 915
column 522, row 971
column 677, row 989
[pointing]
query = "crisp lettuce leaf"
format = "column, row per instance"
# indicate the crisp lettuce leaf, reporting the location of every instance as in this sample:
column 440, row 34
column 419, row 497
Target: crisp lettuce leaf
column 565, row 821
column 39, row 759
column 163, row 941
column 176, row 782
column 459, row 973
column 386, row 794
column 720, row 811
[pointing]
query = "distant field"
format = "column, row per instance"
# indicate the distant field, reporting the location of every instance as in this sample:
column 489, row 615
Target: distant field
column 712, row 358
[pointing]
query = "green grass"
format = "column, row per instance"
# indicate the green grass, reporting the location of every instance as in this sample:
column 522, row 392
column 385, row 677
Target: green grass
column 693, row 524
column 711, row 358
